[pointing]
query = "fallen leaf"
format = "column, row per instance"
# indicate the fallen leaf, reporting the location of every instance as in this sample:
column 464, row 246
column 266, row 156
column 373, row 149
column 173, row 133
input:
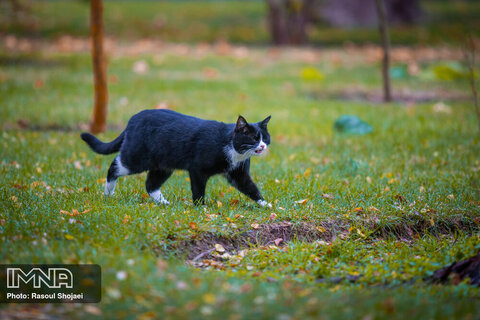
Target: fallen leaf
column 193, row 225
column 234, row 202
column 140, row 67
column 162, row 105
column 209, row 298
column 69, row 237
column 219, row 204
column 126, row 219
column 311, row 74
column 255, row 225
column 321, row 229
column 210, row 72
column 219, row 247
column 303, row 201
column 272, row 216
column 328, row 196
column 278, row 241
column 38, row 84
column 307, row 172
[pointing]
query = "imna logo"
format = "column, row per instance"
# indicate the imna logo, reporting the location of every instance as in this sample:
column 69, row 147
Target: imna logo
column 52, row 278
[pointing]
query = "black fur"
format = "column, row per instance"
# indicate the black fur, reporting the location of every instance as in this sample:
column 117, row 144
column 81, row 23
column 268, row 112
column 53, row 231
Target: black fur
column 160, row 141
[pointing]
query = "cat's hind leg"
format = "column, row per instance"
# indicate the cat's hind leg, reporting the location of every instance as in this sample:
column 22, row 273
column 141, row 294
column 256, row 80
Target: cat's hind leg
column 155, row 179
column 116, row 170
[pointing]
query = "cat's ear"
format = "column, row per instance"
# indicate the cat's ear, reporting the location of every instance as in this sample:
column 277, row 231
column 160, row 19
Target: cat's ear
column 264, row 123
column 241, row 125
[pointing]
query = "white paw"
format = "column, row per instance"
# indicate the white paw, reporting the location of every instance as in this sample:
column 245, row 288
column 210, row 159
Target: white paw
column 157, row 196
column 165, row 202
column 264, row 203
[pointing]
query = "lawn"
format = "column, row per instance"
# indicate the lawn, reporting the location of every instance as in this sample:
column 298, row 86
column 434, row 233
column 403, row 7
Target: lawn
column 358, row 223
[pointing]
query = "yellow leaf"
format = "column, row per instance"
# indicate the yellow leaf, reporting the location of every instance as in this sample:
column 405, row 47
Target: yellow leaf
column 311, row 74
column 69, row 237
column 432, row 223
column 209, row 298
column 321, row 229
column 307, row 172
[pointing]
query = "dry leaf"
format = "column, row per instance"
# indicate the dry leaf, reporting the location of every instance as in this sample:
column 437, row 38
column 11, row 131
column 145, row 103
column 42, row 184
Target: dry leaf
column 77, row 165
column 307, row 172
column 140, row 67
column 126, row 219
column 278, row 241
column 38, row 84
column 234, row 202
column 255, row 225
column 219, row 204
column 193, row 225
column 69, row 237
column 219, row 247
column 162, row 105
column 272, row 216
column 303, row 201
column 328, row 196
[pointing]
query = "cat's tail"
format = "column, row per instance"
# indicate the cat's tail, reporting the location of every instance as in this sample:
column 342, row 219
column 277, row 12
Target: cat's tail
column 102, row 147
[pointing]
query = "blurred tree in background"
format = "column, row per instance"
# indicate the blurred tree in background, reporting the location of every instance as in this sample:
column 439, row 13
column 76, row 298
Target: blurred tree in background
column 289, row 19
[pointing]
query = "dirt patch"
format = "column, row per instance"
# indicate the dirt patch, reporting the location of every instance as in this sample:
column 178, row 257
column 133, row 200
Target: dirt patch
column 202, row 246
column 265, row 234
column 406, row 96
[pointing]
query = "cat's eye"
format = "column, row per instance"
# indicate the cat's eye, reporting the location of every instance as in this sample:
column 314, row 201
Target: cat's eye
column 257, row 137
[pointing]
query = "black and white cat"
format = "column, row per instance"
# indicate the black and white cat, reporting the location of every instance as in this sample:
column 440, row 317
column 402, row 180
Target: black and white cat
column 160, row 141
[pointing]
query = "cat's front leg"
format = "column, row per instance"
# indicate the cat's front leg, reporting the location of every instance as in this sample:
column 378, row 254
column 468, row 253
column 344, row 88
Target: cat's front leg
column 198, row 182
column 240, row 179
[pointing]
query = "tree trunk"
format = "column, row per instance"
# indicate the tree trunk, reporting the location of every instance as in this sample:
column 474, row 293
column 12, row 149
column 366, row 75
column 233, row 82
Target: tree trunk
column 288, row 21
column 382, row 23
column 99, row 117
column 277, row 22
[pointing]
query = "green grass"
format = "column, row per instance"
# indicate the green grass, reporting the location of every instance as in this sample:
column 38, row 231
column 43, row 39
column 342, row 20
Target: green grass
column 233, row 21
column 415, row 178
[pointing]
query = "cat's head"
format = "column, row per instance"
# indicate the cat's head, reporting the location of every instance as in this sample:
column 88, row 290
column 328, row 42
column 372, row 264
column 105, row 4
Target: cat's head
column 251, row 138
